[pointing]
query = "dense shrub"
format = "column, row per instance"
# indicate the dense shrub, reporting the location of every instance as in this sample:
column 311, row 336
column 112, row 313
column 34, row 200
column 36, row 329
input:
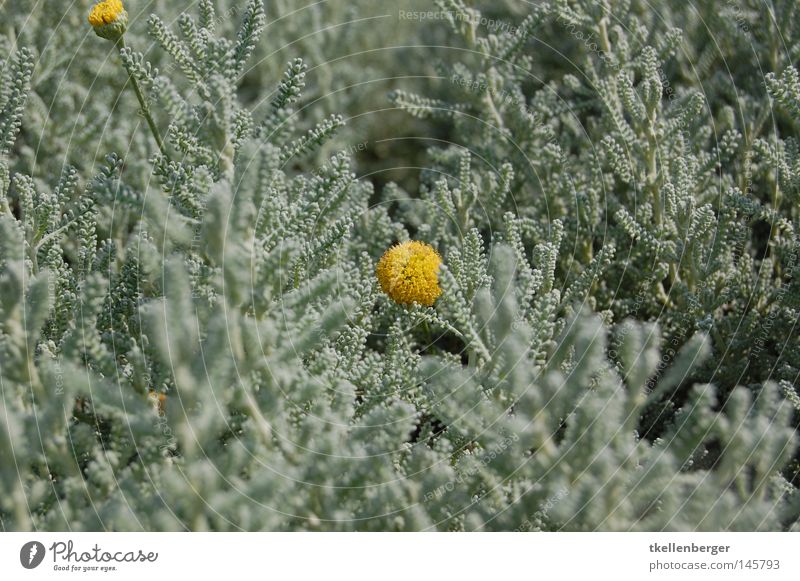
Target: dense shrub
column 193, row 335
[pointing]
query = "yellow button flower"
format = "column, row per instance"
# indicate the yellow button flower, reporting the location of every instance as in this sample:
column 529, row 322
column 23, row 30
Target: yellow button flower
column 109, row 19
column 408, row 273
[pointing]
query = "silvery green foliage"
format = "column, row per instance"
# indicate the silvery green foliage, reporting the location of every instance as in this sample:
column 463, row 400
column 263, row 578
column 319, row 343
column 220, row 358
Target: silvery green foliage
column 673, row 184
column 524, row 418
column 194, row 339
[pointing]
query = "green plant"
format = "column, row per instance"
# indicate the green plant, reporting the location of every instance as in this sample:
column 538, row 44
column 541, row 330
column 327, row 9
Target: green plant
column 195, row 338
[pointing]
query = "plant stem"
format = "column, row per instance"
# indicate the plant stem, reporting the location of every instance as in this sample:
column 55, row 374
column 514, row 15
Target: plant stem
column 652, row 174
column 143, row 103
column 605, row 43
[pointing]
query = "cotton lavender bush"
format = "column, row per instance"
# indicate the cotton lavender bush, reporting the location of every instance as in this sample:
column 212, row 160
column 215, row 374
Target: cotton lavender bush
column 578, row 315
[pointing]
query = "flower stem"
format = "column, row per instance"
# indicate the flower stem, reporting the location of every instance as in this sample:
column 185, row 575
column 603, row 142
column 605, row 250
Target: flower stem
column 145, row 107
column 652, row 173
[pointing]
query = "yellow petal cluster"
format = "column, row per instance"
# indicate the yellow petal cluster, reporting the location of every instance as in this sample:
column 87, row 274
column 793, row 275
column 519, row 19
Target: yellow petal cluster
column 106, row 12
column 109, row 19
column 408, row 273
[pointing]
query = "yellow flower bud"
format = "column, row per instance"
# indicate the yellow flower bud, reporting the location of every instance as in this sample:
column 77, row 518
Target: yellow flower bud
column 408, row 273
column 109, row 19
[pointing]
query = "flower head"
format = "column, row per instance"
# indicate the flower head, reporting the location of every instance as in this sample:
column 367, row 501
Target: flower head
column 158, row 399
column 408, row 273
column 109, row 19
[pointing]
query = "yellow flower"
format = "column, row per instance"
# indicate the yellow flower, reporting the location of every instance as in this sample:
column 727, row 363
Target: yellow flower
column 109, row 19
column 408, row 273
